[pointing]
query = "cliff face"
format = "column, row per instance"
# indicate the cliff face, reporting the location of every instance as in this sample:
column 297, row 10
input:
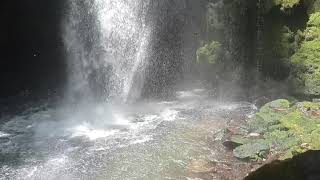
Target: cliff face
column 306, row 60
column 278, row 39
column 178, row 26
column 291, row 43
column 33, row 57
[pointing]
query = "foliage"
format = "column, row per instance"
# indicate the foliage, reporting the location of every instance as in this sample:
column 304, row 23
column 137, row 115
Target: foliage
column 209, row 52
column 285, row 44
column 314, row 19
column 286, row 3
column 306, row 61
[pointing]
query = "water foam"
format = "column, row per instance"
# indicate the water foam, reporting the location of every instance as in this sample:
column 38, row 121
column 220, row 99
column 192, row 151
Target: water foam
column 85, row 130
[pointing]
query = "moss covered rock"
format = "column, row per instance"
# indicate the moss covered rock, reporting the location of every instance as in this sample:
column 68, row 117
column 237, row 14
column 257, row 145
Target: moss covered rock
column 269, row 116
column 287, row 130
column 254, row 150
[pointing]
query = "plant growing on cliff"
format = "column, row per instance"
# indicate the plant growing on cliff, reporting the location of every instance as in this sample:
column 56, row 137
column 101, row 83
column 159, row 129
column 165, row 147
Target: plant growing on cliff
column 306, row 61
column 286, row 3
column 209, row 52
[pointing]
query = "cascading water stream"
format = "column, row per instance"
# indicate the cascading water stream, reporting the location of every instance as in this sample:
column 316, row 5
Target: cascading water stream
column 107, row 41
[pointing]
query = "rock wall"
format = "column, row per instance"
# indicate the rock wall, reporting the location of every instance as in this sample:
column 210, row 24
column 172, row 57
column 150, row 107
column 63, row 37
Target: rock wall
column 31, row 49
column 290, row 45
column 175, row 40
column 265, row 39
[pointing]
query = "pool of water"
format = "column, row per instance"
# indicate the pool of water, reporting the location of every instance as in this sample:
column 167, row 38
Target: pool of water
column 172, row 139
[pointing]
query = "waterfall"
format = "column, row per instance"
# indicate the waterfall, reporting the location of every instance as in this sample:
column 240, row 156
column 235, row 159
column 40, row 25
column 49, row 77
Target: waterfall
column 106, row 41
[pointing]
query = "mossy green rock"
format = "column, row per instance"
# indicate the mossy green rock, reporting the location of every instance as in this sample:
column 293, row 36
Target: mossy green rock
column 287, row 130
column 297, row 122
column 269, row 115
column 239, row 139
column 280, row 140
column 315, row 139
column 253, row 150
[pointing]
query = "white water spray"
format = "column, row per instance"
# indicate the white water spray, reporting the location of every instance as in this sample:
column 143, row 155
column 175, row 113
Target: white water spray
column 107, row 42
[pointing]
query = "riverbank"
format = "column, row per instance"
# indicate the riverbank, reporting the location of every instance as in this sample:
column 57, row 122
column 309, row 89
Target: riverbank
column 279, row 133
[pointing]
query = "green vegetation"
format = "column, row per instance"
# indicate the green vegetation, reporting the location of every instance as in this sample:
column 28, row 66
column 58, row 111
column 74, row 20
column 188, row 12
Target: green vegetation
column 209, row 53
column 285, row 130
column 284, row 45
column 306, row 61
column 286, row 3
column 314, row 19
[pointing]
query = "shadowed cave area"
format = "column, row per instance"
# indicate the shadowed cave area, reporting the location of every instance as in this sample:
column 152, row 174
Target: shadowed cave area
column 32, row 52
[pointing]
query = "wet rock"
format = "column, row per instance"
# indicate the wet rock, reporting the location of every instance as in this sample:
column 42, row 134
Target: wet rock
column 261, row 101
column 234, row 141
column 234, row 137
column 231, row 145
column 304, row 166
column 268, row 115
column 253, row 151
column 200, row 166
column 282, row 130
column 254, row 135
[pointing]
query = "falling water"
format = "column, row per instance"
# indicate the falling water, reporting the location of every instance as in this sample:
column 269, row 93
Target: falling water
column 259, row 35
column 106, row 42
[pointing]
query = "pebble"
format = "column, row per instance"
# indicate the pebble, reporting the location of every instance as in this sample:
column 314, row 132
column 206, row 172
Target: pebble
column 254, row 135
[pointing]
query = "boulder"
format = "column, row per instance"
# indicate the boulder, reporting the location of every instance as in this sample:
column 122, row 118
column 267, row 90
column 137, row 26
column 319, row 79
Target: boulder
column 253, row 151
column 284, row 131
